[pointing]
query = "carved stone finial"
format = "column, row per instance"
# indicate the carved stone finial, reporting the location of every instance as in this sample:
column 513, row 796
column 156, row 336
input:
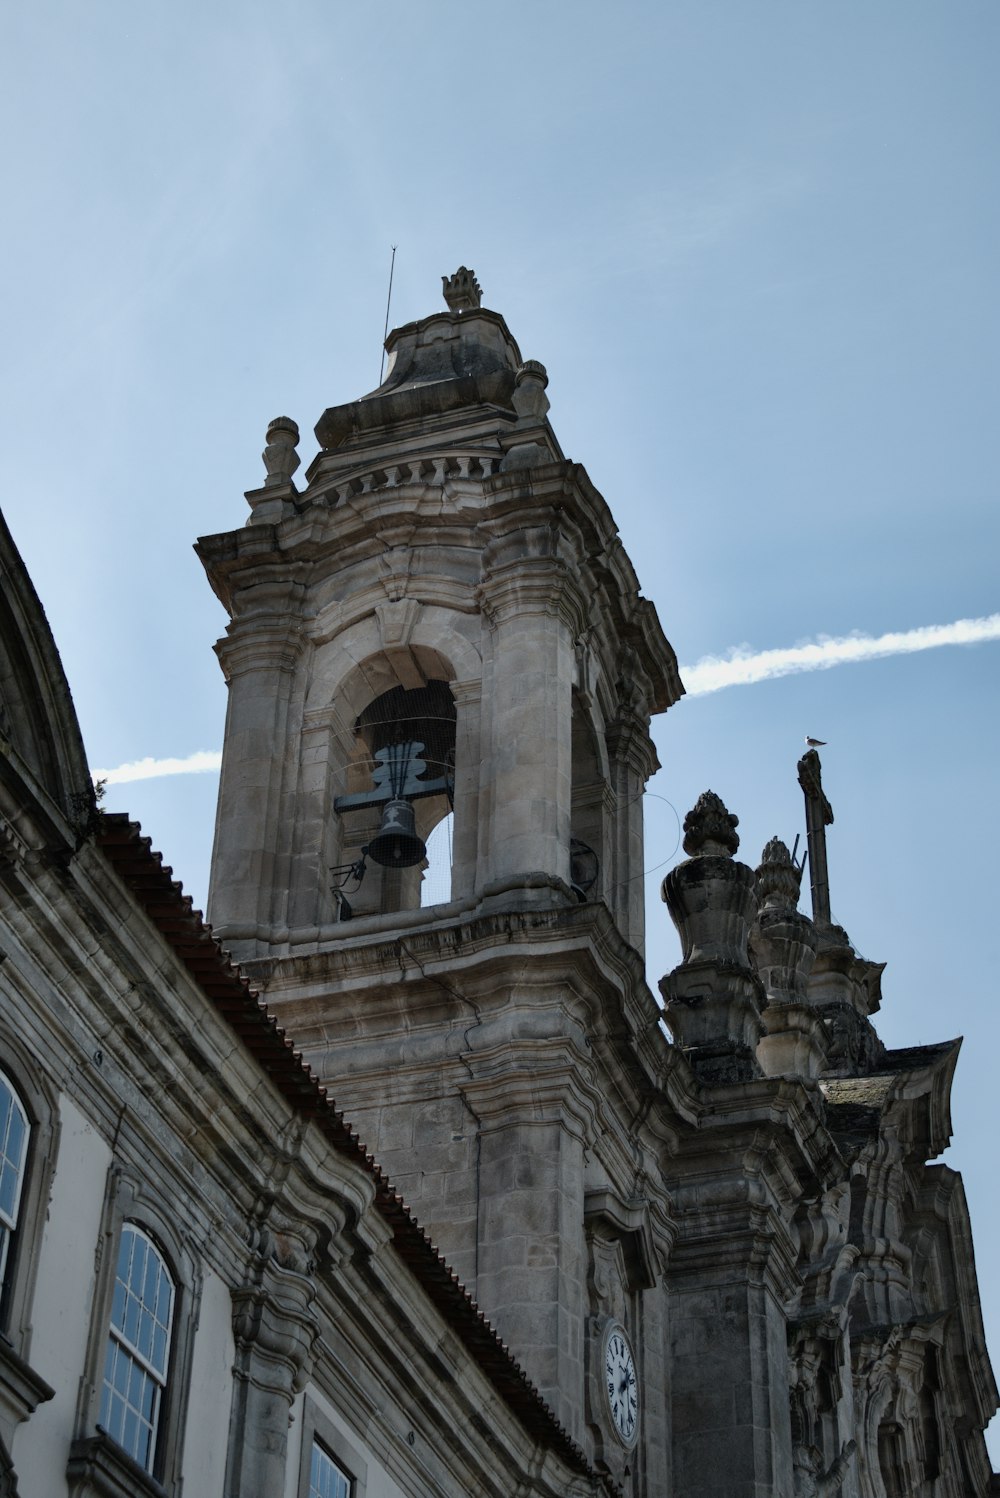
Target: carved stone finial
column 462, row 291
column 280, row 457
column 778, row 878
column 529, row 398
column 710, row 829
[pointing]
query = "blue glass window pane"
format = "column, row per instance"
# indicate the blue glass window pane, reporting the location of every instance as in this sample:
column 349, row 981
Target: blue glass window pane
column 131, row 1326
column 18, row 1130
column 125, row 1254
column 144, row 1339
column 326, row 1480
column 137, row 1265
column 151, row 1282
column 118, row 1304
column 130, row 1432
column 8, row 1190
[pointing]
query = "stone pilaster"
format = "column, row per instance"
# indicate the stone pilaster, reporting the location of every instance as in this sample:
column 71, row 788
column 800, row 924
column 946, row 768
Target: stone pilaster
column 713, row 998
column 633, row 760
column 275, row 1329
column 535, row 1116
column 468, row 697
column 731, row 1273
column 529, row 598
column 251, row 854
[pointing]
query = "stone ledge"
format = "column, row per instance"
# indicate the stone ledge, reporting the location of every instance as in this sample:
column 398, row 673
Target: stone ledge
column 22, row 1390
column 99, row 1468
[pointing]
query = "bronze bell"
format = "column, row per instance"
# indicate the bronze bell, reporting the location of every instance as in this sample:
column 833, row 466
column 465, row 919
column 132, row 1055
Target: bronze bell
column 396, row 844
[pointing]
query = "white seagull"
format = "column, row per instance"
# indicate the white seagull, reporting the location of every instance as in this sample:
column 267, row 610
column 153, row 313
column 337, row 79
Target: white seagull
column 815, row 743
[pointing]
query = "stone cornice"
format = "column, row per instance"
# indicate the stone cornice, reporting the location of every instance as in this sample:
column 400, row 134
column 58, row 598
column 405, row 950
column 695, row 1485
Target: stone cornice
column 452, row 504
column 764, row 1113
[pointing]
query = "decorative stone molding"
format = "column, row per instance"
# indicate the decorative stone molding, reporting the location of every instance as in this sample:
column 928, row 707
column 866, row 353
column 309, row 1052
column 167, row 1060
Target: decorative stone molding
column 710, row 829
column 541, row 585
column 529, row 398
column 279, row 456
column 462, row 291
column 22, row 1390
column 713, row 998
column 275, row 1329
column 783, row 949
column 610, row 1219
column 843, row 988
column 259, row 645
column 99, row 1468
column 778, row 878
column 630, row 743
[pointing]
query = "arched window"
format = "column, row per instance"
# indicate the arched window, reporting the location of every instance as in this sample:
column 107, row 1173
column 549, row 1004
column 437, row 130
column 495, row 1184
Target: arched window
column 13, row 1153
column 138, row 1350
column 400, row 782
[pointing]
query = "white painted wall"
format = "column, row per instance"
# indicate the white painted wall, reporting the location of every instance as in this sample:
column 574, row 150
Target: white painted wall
column 61, row 1314
column 210, row 1401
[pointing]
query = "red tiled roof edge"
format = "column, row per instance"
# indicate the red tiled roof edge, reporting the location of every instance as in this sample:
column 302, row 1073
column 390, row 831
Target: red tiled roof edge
column 182, row 927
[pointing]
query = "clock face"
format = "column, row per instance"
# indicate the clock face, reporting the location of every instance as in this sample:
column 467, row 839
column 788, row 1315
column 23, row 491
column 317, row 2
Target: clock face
column 621, row 1384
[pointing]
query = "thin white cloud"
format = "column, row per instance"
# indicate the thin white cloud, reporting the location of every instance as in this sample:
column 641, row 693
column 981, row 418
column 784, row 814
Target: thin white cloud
column 741, row 666
column 148, row 769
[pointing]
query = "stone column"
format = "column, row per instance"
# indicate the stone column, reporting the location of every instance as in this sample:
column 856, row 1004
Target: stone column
column 250, row 856
column 275, row 1330
column 713, row 998
column 527, row 597
column 468, row 697
column 633, row 761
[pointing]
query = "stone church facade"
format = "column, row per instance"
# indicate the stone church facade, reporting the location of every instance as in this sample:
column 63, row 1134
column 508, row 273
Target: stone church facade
column 349, row 1196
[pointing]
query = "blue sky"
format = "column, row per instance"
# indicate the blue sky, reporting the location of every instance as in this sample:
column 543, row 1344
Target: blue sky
column 755, row 246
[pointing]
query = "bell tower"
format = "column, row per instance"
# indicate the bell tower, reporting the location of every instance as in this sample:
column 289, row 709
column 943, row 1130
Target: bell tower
column 444, row 621
column 446, row 580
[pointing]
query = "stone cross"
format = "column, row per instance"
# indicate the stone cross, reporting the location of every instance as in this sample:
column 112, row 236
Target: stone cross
column 819, row 816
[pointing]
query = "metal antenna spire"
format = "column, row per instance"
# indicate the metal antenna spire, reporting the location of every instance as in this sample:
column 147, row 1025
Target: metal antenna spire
column 388, row 300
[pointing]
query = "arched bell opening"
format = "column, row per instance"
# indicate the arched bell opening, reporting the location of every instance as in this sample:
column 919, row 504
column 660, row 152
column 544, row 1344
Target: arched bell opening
column 400, row 780
column 590, row 807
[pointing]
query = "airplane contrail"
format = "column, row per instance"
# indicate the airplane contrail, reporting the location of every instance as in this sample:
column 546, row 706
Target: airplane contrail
column 740, row 666
column 148, row 769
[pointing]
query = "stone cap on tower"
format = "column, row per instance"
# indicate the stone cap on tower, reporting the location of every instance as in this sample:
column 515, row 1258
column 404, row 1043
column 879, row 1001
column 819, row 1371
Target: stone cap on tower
column 463, row 357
